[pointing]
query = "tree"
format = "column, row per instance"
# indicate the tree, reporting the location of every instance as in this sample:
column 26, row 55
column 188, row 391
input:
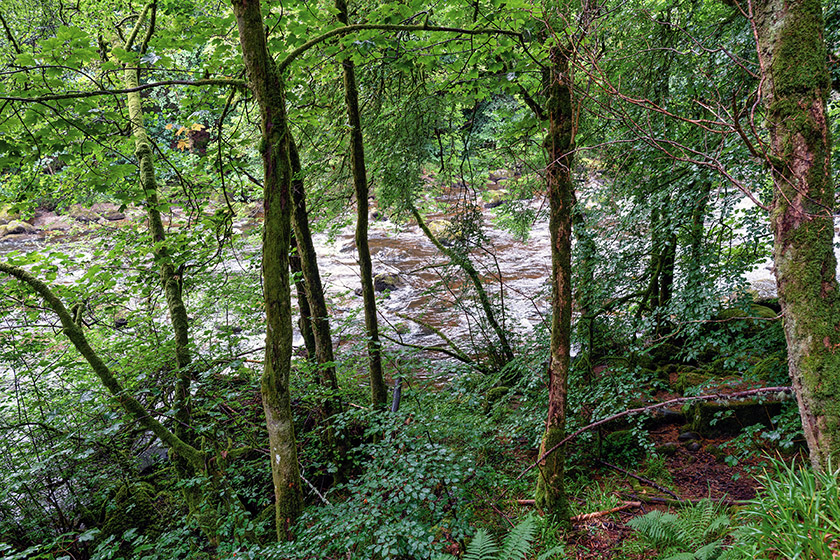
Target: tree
column 795, row 84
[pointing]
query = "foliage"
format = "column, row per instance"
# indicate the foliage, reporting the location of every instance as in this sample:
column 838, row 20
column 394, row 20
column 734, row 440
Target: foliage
column 694, row 533
column 516, row 545
column 795, row 515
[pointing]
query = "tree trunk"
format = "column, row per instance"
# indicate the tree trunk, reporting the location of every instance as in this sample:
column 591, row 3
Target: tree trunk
column 269, row 92
column 795, row 87
column 550, row 494
column 305, row 323
column 320, row 321
column 171, row 280
column 379, row 394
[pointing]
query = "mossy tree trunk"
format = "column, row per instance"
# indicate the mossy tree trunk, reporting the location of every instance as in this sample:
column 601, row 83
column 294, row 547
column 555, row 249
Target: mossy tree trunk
column 379, row 394
column 305, row 323
column 559, row 145
column 318, row 314
column 795, row 86
column 269, row 92
column 171, row 277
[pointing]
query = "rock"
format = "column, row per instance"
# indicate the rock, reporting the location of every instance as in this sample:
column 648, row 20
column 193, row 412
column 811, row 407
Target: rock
column 402, row 328
column 728, row 418
column 113, row 216
column 7, row 214
column 82, row 214
column 444, row 230
column 256, row 210
column 693, row 446
column 16, row 227
column 385, row 282
column 48, row 221
column 667, row 449
column 109, row 211
column 690, row 378
column 120, row 322
column 688, row 436
column 492, row 199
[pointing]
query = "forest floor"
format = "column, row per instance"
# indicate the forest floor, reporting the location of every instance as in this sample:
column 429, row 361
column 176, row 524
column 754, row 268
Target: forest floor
column 695, row 475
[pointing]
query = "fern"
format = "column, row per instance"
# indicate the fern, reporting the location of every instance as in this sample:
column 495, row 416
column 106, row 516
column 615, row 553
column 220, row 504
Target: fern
column 516, row 544
column 692, row 535
column 518, row 541
column 482, row 547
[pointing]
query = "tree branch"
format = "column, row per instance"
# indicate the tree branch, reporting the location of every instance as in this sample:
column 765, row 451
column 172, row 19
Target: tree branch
column 98, row 93
column 672, row 402
column 348, row 29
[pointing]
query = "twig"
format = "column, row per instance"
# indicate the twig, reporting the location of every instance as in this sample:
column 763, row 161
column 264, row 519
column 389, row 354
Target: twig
column 323, row 499
column 641, row 479
column 587, row 516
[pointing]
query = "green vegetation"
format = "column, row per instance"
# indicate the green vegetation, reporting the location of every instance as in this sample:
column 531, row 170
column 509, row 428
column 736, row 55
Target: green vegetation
column 528, row 244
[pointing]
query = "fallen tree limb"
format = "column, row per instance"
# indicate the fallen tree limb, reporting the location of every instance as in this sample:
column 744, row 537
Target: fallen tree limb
column 672, row 402
column 667, row 502
column 641, row 479
column 595, row 514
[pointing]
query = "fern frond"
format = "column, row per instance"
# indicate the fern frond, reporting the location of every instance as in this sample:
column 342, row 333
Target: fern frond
column 517, row 543
column 658, row 528
column 681, row 556
column 711, row 551
column 554, row 553
column 482, row 547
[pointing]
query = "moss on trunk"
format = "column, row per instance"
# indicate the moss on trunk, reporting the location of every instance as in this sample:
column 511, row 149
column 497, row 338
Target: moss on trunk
column 559, row 145
column 795, row 87
column 269, row 92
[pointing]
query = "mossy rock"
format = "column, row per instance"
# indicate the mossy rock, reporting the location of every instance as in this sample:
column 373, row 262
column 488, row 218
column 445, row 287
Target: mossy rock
column 756, row 310
column 7, row 214
column 132, row 507
column 690, row 378
column 772, row 303
column 664, row 353
column 16, row 227
column 492, row 199
column 82, row 214
column 493, row 395
column 385, row 282
column 771, row 367
column 713, row 419
column 444, row 231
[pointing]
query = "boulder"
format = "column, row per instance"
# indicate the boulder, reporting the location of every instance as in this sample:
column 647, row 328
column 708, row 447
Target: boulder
column 712, row 418
column 385, row 281
column 7, row 214
column 492, row 199
column 444, row 230
column 82, row 214
column 16, row 227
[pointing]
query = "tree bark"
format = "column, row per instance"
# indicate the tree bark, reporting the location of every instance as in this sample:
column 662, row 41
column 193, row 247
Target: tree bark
column 559, row 144
column 269, row 92
column 795, row 85
column 305, row 323
column 379, row 393
column 319, row 317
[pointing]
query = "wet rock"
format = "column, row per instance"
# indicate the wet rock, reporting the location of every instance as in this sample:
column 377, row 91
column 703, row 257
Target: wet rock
column 493, row 199
column 348, row 248
column 110, row 212
column 444, row 230
column 385, row 281
column 7, row 214
column 16, row 227
column 82, row 214
column 693, row 446
column 688, row 436
column 48, row 221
